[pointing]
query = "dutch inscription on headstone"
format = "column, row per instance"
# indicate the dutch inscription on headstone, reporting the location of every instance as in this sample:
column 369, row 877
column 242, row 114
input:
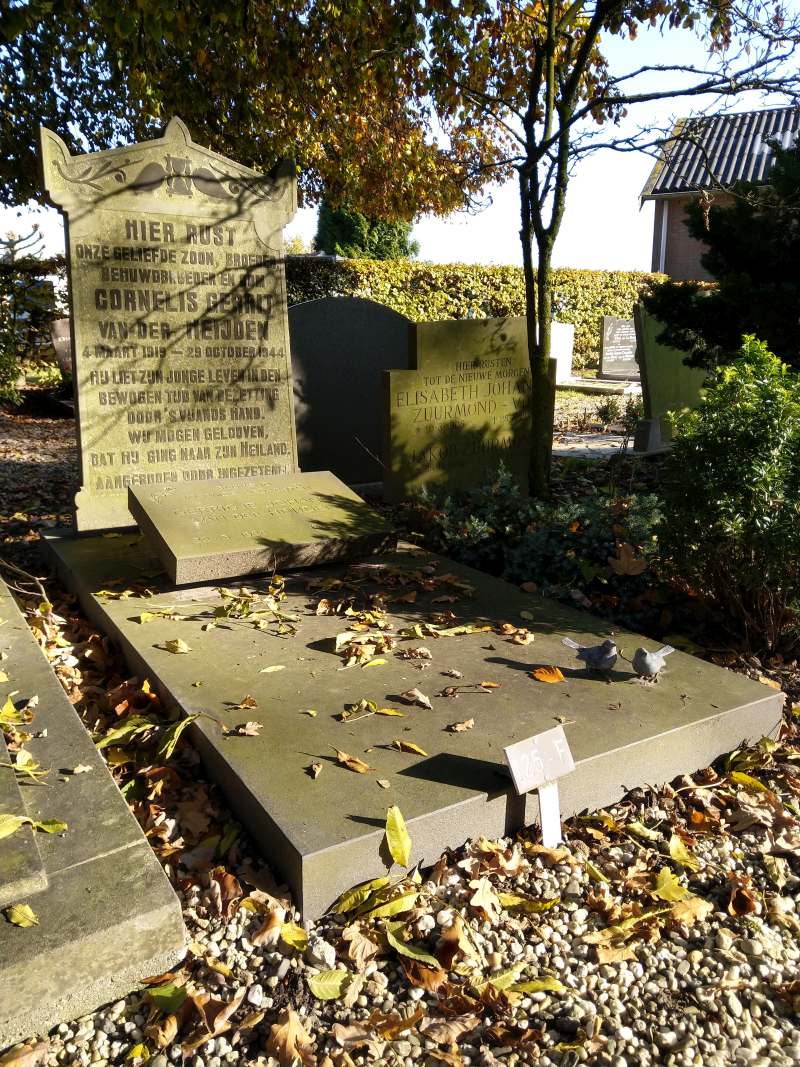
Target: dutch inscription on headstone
column 463, row 409
column 179, row 328
column 618, row 352
column 256, row 524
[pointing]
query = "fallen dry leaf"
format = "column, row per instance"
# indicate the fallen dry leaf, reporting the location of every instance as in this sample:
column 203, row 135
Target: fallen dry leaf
column 447, row 1032
column 415, row 696
column 247, row 703
column 485, row 898
column 615, row 953
column 391, row 1026
column 357, row 1035
column 360, row 948
column 26, row 1055
column 625, row 561
column 290, row 1042
column 460, row 727
column 352, row 763
column 314, row 770
column 422, row 976
column 270, row 931
column 742, row 899
column 245, row 729
column 177, row 646
column 549, row 674
column 408, row 746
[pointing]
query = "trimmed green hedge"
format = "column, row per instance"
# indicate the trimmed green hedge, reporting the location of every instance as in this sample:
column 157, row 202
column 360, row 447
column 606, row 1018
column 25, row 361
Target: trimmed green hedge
column 428, row 291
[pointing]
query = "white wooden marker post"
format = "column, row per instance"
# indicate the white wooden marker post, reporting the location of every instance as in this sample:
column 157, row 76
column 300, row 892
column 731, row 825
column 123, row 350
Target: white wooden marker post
column 537, row 763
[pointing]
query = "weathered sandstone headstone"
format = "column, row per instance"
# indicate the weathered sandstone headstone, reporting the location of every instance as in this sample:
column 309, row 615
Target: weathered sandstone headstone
column 462, row 409
column 180, row 337
column 256, row 525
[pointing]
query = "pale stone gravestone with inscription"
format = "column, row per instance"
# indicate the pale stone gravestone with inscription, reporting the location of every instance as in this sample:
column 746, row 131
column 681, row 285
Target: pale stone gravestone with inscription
column 179, row 329
column 667, row 383
column 462, row 410
column 256, row 525
column 340, row 347
column 618, row 351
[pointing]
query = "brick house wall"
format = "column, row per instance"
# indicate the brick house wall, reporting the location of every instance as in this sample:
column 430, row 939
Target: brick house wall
column 680, row 258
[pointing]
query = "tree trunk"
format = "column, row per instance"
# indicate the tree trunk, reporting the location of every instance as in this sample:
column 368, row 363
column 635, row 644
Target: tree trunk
column 543, row 399
column 538, row 484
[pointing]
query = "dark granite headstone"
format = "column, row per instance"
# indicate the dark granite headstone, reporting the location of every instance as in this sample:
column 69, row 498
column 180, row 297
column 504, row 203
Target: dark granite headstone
column 618, row 352
column 340, row 346
column 179, row 328
column 256, row 525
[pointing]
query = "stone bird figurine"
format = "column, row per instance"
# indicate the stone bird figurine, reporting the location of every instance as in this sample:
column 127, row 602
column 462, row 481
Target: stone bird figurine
column 648, row 665
column 596, row 657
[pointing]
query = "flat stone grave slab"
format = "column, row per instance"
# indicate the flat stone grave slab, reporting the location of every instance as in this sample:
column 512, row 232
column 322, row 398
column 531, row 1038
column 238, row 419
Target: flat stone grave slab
column 256, row 525
column 108, row 916
column 21, row 867
column 324, row 834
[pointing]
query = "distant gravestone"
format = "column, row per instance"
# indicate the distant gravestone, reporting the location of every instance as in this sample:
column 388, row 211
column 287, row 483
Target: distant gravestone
column 181, row 353
column 340, row 347
column 256, row 525
column 62, row 344
column 667, row 383
column 462, row 409
column 618, row 351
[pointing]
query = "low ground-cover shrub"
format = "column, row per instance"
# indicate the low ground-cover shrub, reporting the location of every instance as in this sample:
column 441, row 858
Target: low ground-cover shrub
column 587, row 545
column 731, row 487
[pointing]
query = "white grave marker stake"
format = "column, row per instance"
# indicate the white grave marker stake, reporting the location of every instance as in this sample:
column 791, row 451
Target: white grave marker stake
column 537, row 763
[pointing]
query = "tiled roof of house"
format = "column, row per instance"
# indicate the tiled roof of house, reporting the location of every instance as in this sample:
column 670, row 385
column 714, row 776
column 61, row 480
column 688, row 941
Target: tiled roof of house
column 717, row 150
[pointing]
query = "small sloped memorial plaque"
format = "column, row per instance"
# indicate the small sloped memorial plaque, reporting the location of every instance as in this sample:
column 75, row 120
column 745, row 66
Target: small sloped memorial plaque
column 256, row 525
column 537, row 763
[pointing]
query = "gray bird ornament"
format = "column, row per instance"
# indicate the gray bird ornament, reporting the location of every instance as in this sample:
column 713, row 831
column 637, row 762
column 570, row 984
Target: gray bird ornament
column 596, row 657
column 648, row 665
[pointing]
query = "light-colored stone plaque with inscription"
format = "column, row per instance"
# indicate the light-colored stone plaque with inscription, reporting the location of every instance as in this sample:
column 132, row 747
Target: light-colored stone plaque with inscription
column 255, row 525
column 179, row 325
column 463, row 408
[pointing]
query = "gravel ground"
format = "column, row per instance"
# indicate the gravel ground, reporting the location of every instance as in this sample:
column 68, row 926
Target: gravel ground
column 665, row 931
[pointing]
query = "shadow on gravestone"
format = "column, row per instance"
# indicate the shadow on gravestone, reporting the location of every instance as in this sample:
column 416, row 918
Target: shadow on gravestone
column 461, row 410
column 667, row 383
column 178, row 315
column 340, row 346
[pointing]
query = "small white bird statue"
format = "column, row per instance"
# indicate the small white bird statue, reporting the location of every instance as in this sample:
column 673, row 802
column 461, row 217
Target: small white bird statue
column 648, row 665
column 596, row 657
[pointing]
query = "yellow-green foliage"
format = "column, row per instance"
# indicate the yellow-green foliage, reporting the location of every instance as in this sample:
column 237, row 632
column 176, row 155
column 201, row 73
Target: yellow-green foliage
column 428, row 291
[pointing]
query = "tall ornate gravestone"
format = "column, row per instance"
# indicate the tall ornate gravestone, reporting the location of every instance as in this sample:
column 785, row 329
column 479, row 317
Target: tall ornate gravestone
column 462, row 409
column 179, row 328
column 340, row 347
